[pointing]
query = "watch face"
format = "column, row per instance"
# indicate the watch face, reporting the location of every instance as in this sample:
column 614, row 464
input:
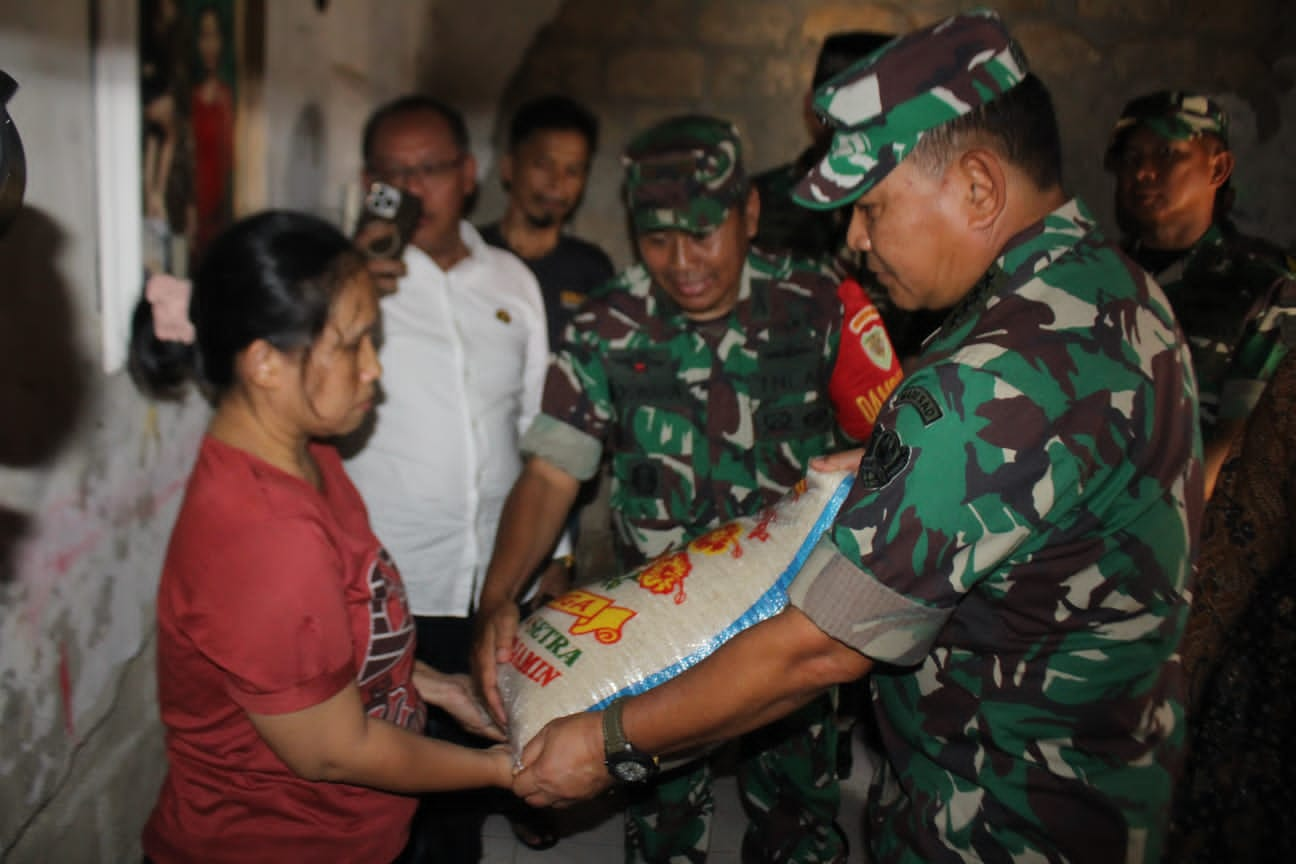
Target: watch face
column 630, row 771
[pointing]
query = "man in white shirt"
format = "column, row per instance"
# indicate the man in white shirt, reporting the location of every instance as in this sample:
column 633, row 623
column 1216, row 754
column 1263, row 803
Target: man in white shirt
column 464, row 351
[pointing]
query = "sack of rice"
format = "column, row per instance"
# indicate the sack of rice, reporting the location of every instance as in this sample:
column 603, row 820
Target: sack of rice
column 630, row 633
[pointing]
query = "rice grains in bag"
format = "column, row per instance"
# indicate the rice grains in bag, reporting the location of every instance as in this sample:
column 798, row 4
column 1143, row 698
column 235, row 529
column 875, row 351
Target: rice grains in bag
column 630, row 633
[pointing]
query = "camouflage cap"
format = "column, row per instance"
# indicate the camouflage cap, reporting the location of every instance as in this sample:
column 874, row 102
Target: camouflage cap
column 1176, row 115
column 684, row 173
column 880, row 107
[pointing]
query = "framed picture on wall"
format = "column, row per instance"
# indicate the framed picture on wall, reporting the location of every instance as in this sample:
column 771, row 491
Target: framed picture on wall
column 178, row 106
column 196, row 66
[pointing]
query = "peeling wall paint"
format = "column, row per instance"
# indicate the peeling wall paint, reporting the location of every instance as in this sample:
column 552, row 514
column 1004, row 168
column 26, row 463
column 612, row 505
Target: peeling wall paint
column 80, row 605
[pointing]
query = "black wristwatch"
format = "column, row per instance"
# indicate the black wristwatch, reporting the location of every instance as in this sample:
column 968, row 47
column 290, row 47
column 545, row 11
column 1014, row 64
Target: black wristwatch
column 623, row 761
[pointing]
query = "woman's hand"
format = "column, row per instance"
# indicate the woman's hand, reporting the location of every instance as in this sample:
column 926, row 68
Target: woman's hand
column 454, row 694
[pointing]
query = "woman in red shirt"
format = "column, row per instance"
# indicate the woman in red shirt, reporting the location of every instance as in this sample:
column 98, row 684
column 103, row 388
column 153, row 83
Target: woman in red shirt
column 286, row 673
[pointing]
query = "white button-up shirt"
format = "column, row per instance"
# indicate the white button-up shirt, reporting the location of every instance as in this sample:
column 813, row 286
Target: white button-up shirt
column 464, row 355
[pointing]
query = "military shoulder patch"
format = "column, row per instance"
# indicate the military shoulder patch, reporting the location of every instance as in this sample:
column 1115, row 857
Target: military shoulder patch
column 885, row 457
column 922, row 401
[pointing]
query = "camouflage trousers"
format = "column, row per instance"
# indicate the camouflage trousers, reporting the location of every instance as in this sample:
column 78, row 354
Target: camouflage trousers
column 787, row 778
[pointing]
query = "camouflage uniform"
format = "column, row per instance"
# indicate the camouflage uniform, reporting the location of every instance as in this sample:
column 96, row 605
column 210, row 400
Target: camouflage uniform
column 705, row 422
column 1235, row 298
column 1025, row 515
column 1017, row 545
column 1233, row 295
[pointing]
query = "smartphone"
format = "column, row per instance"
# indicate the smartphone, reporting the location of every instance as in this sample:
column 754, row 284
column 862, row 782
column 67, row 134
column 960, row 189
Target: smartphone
column 385, row 203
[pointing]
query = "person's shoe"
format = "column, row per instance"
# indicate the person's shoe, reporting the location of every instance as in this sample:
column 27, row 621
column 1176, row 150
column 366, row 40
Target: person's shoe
column 534, row 829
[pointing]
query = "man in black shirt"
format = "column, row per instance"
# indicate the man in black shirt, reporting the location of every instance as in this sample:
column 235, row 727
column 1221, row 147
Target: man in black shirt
column 551, row 143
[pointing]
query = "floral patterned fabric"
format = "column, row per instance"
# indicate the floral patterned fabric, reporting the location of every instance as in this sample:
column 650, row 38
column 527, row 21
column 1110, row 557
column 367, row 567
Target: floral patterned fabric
column 1237, row 798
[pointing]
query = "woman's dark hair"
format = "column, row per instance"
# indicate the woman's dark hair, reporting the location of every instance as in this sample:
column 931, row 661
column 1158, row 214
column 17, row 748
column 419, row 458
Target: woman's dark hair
column 271, row 276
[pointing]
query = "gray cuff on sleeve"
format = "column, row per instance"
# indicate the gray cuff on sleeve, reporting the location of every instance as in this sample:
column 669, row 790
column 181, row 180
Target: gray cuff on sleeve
column 851, row 606
column 565, row 446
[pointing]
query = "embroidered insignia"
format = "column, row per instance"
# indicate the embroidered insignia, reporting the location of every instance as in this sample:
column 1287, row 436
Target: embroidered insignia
column 921, row 400
column 885, row 458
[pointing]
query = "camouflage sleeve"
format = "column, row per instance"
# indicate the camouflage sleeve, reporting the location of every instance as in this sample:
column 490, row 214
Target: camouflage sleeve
column 961, row 465
column 1266, row 340
column 837, row 438
column 576, row 409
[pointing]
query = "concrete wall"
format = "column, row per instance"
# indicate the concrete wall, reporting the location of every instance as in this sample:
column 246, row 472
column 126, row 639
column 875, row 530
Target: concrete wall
column 751, row 61
column 82, row 488
column 90, row 474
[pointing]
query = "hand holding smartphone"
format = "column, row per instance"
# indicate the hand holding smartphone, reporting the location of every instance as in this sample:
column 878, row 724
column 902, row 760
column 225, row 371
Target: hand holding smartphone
column 384, row 227
column 398, row 213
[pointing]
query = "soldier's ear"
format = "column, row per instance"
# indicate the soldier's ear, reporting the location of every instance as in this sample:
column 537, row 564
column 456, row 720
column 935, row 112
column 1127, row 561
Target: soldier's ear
column 1221, row 167
column 983, row 184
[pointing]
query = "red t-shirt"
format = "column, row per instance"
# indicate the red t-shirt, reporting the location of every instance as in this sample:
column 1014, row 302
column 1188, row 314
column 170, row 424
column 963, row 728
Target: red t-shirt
column 273, row 596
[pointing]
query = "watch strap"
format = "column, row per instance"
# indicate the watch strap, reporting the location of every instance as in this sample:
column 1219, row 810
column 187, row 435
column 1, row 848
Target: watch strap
column 614, row 737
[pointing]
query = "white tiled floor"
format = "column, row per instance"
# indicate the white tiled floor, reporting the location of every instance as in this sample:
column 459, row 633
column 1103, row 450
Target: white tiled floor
column 593, row 835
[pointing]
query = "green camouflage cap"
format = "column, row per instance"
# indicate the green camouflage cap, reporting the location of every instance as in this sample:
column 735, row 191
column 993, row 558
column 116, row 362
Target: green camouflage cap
column 1176, row 115
column 880, row 107
column 684, row 174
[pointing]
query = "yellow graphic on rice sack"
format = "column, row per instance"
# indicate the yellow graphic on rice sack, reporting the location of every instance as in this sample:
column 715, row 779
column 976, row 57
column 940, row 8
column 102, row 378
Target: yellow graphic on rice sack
column 594, row 614
column 667, row 574
column 717, row 541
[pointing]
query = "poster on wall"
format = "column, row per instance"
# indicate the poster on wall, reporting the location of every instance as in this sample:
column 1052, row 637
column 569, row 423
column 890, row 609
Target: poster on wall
column 197, row 60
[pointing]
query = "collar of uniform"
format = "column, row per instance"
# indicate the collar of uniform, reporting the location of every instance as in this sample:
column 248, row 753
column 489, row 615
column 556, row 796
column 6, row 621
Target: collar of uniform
column 1213, row 239
column 1041, row 244
column 1214, row 236
column 1025, row 254
column 671, row 312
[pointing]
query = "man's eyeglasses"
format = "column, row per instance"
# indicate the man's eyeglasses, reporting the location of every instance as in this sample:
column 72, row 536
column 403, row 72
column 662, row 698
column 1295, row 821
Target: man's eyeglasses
column 424, row 172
